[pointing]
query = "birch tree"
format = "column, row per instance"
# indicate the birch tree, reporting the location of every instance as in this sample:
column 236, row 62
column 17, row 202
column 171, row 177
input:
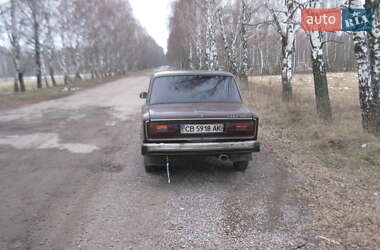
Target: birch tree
column 100, row 37
column 374, row 60
column 12, row 22
column 185, row 32
column 284, row 20
column 211, row 50
column 35, row 9
column 49, row 47
column 228, row 45
column 361, row 48
column 215, row 36
column 265, row 50
column 245, row 18
column 319, row 70
column 65, row 9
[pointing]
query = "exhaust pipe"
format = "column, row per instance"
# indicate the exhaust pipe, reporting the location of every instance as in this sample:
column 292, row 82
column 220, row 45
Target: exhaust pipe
column 223, row 157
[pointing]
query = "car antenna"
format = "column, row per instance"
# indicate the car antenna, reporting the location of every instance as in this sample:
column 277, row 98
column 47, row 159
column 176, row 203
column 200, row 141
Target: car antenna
column 167, row 168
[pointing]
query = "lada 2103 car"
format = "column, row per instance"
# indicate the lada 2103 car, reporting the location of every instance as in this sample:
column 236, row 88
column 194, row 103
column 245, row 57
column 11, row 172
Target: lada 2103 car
column 197, row 113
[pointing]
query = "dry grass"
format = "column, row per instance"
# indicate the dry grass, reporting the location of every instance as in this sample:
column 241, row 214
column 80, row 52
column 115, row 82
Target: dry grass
column 9, row 99
column 7, row 86
column 337, row 165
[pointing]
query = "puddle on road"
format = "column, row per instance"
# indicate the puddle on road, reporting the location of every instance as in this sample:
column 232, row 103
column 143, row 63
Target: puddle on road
column 45, row 141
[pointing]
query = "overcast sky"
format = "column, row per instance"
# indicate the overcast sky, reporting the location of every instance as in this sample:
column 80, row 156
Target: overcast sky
column 154, row 16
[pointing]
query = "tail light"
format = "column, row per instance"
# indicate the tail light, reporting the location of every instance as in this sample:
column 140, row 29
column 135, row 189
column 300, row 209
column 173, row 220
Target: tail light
column 162, row 129
column 241, row 127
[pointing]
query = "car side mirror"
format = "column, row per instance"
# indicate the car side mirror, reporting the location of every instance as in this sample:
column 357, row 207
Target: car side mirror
column 143, row 95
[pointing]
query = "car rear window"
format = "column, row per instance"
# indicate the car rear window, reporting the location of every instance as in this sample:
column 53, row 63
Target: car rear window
column 186, row 89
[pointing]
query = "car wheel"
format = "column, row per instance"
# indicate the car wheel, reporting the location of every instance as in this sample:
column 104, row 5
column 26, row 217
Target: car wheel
column 241, row 165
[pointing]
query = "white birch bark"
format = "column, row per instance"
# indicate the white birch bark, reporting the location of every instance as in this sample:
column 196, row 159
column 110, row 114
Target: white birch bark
column 49, row 48
column 245, row 19
column 231, row 62
column 316, row 43
column 286, row 29
column 211, row 50
column 374, row 39
column 15, row 51
column 62, row 59
column 261, row 61
column 77, row 61
column 199, row 44
column 362, row 57
column 44, row 72
column 191, row 63
column 36, row 9
column 374, row 58
column 199, row 51
column 319, row 71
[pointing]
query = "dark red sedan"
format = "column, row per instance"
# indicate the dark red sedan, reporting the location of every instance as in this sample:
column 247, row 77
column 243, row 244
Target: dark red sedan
column 197, row 113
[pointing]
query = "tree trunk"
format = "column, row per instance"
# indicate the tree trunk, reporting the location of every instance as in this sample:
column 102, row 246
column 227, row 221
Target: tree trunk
column 16, row 88
column 21, row 81
column 16, row 50
column 66, row 80
column 46, row 82
column 374, row 100
column 37, row 44
column 62, row 60
column 320, row 78
column 261, row 61
column 211, row 50
column 374, row 59
column 245, row 19
column 287, row 48
column 287, row 70
column 44, row 73
column 321, row 92
column 78, row 76
column 52, row 78
column 199, row 49
column 319, row 65
column 77, row 60
column 361, row 50
column 231, row 63
column 50, row 48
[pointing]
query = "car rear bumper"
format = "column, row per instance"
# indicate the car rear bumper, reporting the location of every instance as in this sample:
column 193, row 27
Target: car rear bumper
column 200, row 148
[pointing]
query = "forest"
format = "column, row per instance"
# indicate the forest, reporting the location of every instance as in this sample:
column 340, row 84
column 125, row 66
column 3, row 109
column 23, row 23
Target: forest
column 265, row 38
column 99, row 38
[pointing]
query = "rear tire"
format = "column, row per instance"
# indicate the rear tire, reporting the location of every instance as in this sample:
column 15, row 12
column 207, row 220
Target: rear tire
column 241, row 166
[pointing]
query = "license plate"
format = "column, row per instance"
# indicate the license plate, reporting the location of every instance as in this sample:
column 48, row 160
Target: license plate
column 201, row 128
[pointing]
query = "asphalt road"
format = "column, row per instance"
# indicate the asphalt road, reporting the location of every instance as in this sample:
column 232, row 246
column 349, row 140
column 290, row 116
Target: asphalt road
column 72, row 177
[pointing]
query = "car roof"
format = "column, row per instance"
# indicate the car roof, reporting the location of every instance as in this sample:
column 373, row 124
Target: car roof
column 191, row 73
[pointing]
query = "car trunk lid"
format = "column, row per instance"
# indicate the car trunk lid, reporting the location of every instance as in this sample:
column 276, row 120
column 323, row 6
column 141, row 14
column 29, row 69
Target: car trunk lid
column 180, row 111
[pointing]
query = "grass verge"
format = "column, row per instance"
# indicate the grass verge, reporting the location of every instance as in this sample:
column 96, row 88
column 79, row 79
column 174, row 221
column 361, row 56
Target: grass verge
column 9, row 99
column 337, row 165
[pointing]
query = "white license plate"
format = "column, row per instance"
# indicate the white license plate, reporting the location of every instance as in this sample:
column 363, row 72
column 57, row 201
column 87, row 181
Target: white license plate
column 201, row 128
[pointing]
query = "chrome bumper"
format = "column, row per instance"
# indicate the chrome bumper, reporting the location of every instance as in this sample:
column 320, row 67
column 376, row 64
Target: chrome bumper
column 199, row 148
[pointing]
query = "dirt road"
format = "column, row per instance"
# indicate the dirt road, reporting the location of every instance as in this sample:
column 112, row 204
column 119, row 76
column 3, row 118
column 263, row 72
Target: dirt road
column 72, row 177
